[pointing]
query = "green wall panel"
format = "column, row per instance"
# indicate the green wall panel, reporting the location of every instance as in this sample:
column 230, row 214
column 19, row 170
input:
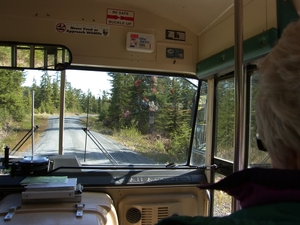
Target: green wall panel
column 253, row 48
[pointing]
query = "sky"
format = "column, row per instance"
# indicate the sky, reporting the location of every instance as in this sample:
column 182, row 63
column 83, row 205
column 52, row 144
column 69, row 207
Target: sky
column 94, row 81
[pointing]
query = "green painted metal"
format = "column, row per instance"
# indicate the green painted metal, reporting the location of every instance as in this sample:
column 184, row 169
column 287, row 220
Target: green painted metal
column 286, row 13
column 253, row 48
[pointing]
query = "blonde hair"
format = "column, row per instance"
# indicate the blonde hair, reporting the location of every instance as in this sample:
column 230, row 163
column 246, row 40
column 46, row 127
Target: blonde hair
column 278, row 102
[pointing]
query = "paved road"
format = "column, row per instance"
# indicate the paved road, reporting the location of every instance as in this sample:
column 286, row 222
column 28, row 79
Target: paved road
column 74, row 143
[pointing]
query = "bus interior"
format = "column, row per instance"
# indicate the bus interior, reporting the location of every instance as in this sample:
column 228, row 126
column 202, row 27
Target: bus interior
column 117, row 111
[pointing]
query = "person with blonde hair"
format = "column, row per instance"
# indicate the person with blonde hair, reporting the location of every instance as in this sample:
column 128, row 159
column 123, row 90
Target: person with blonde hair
column 269, row 196
column 278, row 103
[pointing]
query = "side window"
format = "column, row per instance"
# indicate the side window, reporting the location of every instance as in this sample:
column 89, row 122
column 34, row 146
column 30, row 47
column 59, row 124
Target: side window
column 256, row 158
column 224, row 139
column 199, row 141
column 224, row 135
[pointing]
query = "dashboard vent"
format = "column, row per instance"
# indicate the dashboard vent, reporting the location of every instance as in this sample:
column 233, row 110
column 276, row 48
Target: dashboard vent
column 147, row 216
column 150, row 209
column 162, row 212
column 151, row 215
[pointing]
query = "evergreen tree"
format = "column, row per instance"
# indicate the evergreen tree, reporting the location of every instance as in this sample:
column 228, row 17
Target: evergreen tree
column 93, row 104
column 128, row 102
column 225, row 118
column 11, row 93
column 103, row 106
column 36, row 89
column 119, row 100
column 27, row 99
column 56, row 92
column 140, row 104
column 45, row 94
column 162, row 116
column 81, row 99
column 72, row 98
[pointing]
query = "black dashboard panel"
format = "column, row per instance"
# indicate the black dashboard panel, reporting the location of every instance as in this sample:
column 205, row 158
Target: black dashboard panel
column 120, row 177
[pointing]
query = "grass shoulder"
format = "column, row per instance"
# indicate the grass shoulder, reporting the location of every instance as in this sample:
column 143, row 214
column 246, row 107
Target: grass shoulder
column 153, row 146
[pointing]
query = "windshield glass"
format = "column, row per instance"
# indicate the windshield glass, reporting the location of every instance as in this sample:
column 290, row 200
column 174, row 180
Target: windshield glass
column 111, row 118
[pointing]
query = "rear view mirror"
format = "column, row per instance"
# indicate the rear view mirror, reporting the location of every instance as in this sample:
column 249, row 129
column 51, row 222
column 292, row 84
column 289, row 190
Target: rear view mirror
column 17, row 55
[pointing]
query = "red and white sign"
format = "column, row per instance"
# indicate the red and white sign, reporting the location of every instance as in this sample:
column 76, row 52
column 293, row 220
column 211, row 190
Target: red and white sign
column 120, row 17
column 139, row 42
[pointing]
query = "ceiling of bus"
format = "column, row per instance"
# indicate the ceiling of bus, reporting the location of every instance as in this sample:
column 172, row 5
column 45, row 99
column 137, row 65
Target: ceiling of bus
column 197, row 15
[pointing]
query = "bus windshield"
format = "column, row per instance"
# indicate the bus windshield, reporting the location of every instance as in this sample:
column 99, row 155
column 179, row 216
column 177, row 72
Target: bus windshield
column 110, row 118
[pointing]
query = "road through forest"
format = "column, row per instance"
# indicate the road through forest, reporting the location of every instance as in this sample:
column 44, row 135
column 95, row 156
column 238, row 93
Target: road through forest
column 87, row 152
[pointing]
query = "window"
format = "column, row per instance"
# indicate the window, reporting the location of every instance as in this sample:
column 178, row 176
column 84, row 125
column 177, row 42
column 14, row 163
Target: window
column 111, row 118
column 256, row 157
column 225, row 119
column 199, row 141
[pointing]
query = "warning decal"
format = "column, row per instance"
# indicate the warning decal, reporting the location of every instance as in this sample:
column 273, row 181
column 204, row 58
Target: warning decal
column 85, row 29
column 175, row 35
column 120, row 17
column 175, row 53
